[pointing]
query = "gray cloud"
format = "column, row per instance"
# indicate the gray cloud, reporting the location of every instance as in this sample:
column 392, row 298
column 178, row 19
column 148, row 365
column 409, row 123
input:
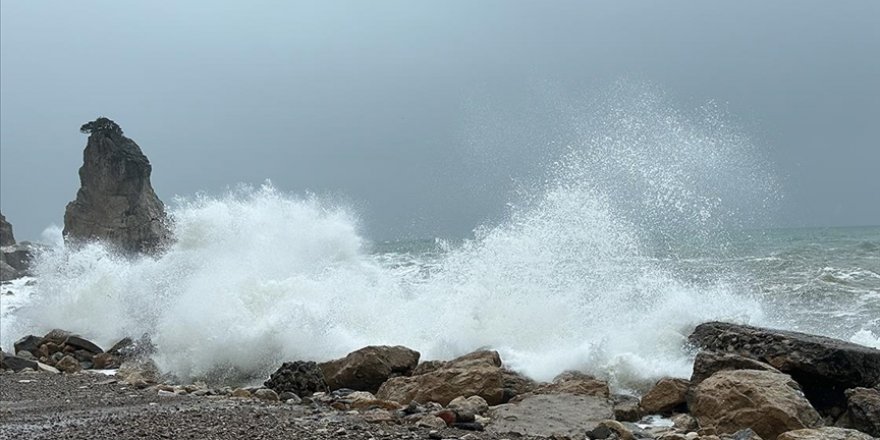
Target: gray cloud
column 386, row 102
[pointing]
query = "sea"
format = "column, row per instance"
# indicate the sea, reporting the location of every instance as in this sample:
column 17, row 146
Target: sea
column 650, row 222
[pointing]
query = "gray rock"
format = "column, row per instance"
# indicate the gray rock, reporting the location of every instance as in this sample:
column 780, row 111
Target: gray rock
column 8, row 272
column 83, row 344
column 551, row 414
column 116, row 203
column 16, row 363
column 29, row 343
column 300, row 377
column 862, row 411
column 824, row 367
column 626, row 408
column 6, row 236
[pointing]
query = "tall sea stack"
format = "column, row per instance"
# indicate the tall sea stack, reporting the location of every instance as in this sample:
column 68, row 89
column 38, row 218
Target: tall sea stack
column 116, row 203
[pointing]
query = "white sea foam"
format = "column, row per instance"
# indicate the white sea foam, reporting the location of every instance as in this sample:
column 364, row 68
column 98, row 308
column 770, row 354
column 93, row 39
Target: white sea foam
column 568, row 281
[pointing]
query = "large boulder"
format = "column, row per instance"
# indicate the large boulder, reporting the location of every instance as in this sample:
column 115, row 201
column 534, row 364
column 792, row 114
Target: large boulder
column 827, row 433
column 368, row 368
column 862, row 411
column 767, row 402
column 824, row 367
column 547, row 415
column 116, row 203
column 6, row 236
column 302, row 378
column 475, row 374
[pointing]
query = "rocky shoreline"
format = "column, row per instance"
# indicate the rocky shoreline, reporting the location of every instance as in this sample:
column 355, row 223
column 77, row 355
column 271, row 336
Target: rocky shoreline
column 747, row 383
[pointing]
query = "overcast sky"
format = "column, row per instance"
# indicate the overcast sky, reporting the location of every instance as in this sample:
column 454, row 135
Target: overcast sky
column 382, row 102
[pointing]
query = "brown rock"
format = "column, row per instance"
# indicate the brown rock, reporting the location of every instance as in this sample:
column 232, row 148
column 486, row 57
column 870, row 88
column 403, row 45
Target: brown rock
column 573, row 382
column 69, row 365
column 366, row 369
column 104, row 361
column 708, row 363
column 445, row 384
column 769, row 403
column 666, row 396
column 827, row 433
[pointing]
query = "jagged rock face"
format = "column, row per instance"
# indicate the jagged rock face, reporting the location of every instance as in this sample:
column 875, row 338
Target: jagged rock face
column 116, row 202
column 6, row 237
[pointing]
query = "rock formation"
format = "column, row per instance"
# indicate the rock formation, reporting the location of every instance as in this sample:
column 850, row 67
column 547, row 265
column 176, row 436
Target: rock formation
column 15, row 258
column 116, row 203
column 824, row 367
column 6, row 237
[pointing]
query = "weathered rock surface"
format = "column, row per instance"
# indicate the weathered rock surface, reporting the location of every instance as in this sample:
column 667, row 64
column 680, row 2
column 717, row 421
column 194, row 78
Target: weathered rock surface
column 626, row 408
column 666, row 396
column 300, row 377
column 116, row 203
column 767, row 402
column 862, row 411
column 572, row 382
column 6, row 236
column 824, row 367
column 708, row 363
column 827, row 433
column 15, row 258
column 474, row 374
column 16, row 363
column 551, row 414
column 368, row 368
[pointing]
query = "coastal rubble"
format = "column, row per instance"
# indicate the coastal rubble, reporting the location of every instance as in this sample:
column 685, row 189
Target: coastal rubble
column 735, row 397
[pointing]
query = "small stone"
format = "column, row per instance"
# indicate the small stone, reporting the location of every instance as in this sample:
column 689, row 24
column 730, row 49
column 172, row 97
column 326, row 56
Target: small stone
column 241, row 392
column 164, row 393
column 434, row 435
column 266, row 394
column 47, row 368
column 432, row 422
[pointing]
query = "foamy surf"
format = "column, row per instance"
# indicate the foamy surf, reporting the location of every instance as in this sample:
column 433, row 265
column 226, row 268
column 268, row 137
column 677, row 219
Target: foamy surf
column 571, row 280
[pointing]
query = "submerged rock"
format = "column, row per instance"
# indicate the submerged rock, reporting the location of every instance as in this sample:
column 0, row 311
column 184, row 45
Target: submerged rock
column 767, row 402
column 368, row 368
column 824, row 367
column 116, row 203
